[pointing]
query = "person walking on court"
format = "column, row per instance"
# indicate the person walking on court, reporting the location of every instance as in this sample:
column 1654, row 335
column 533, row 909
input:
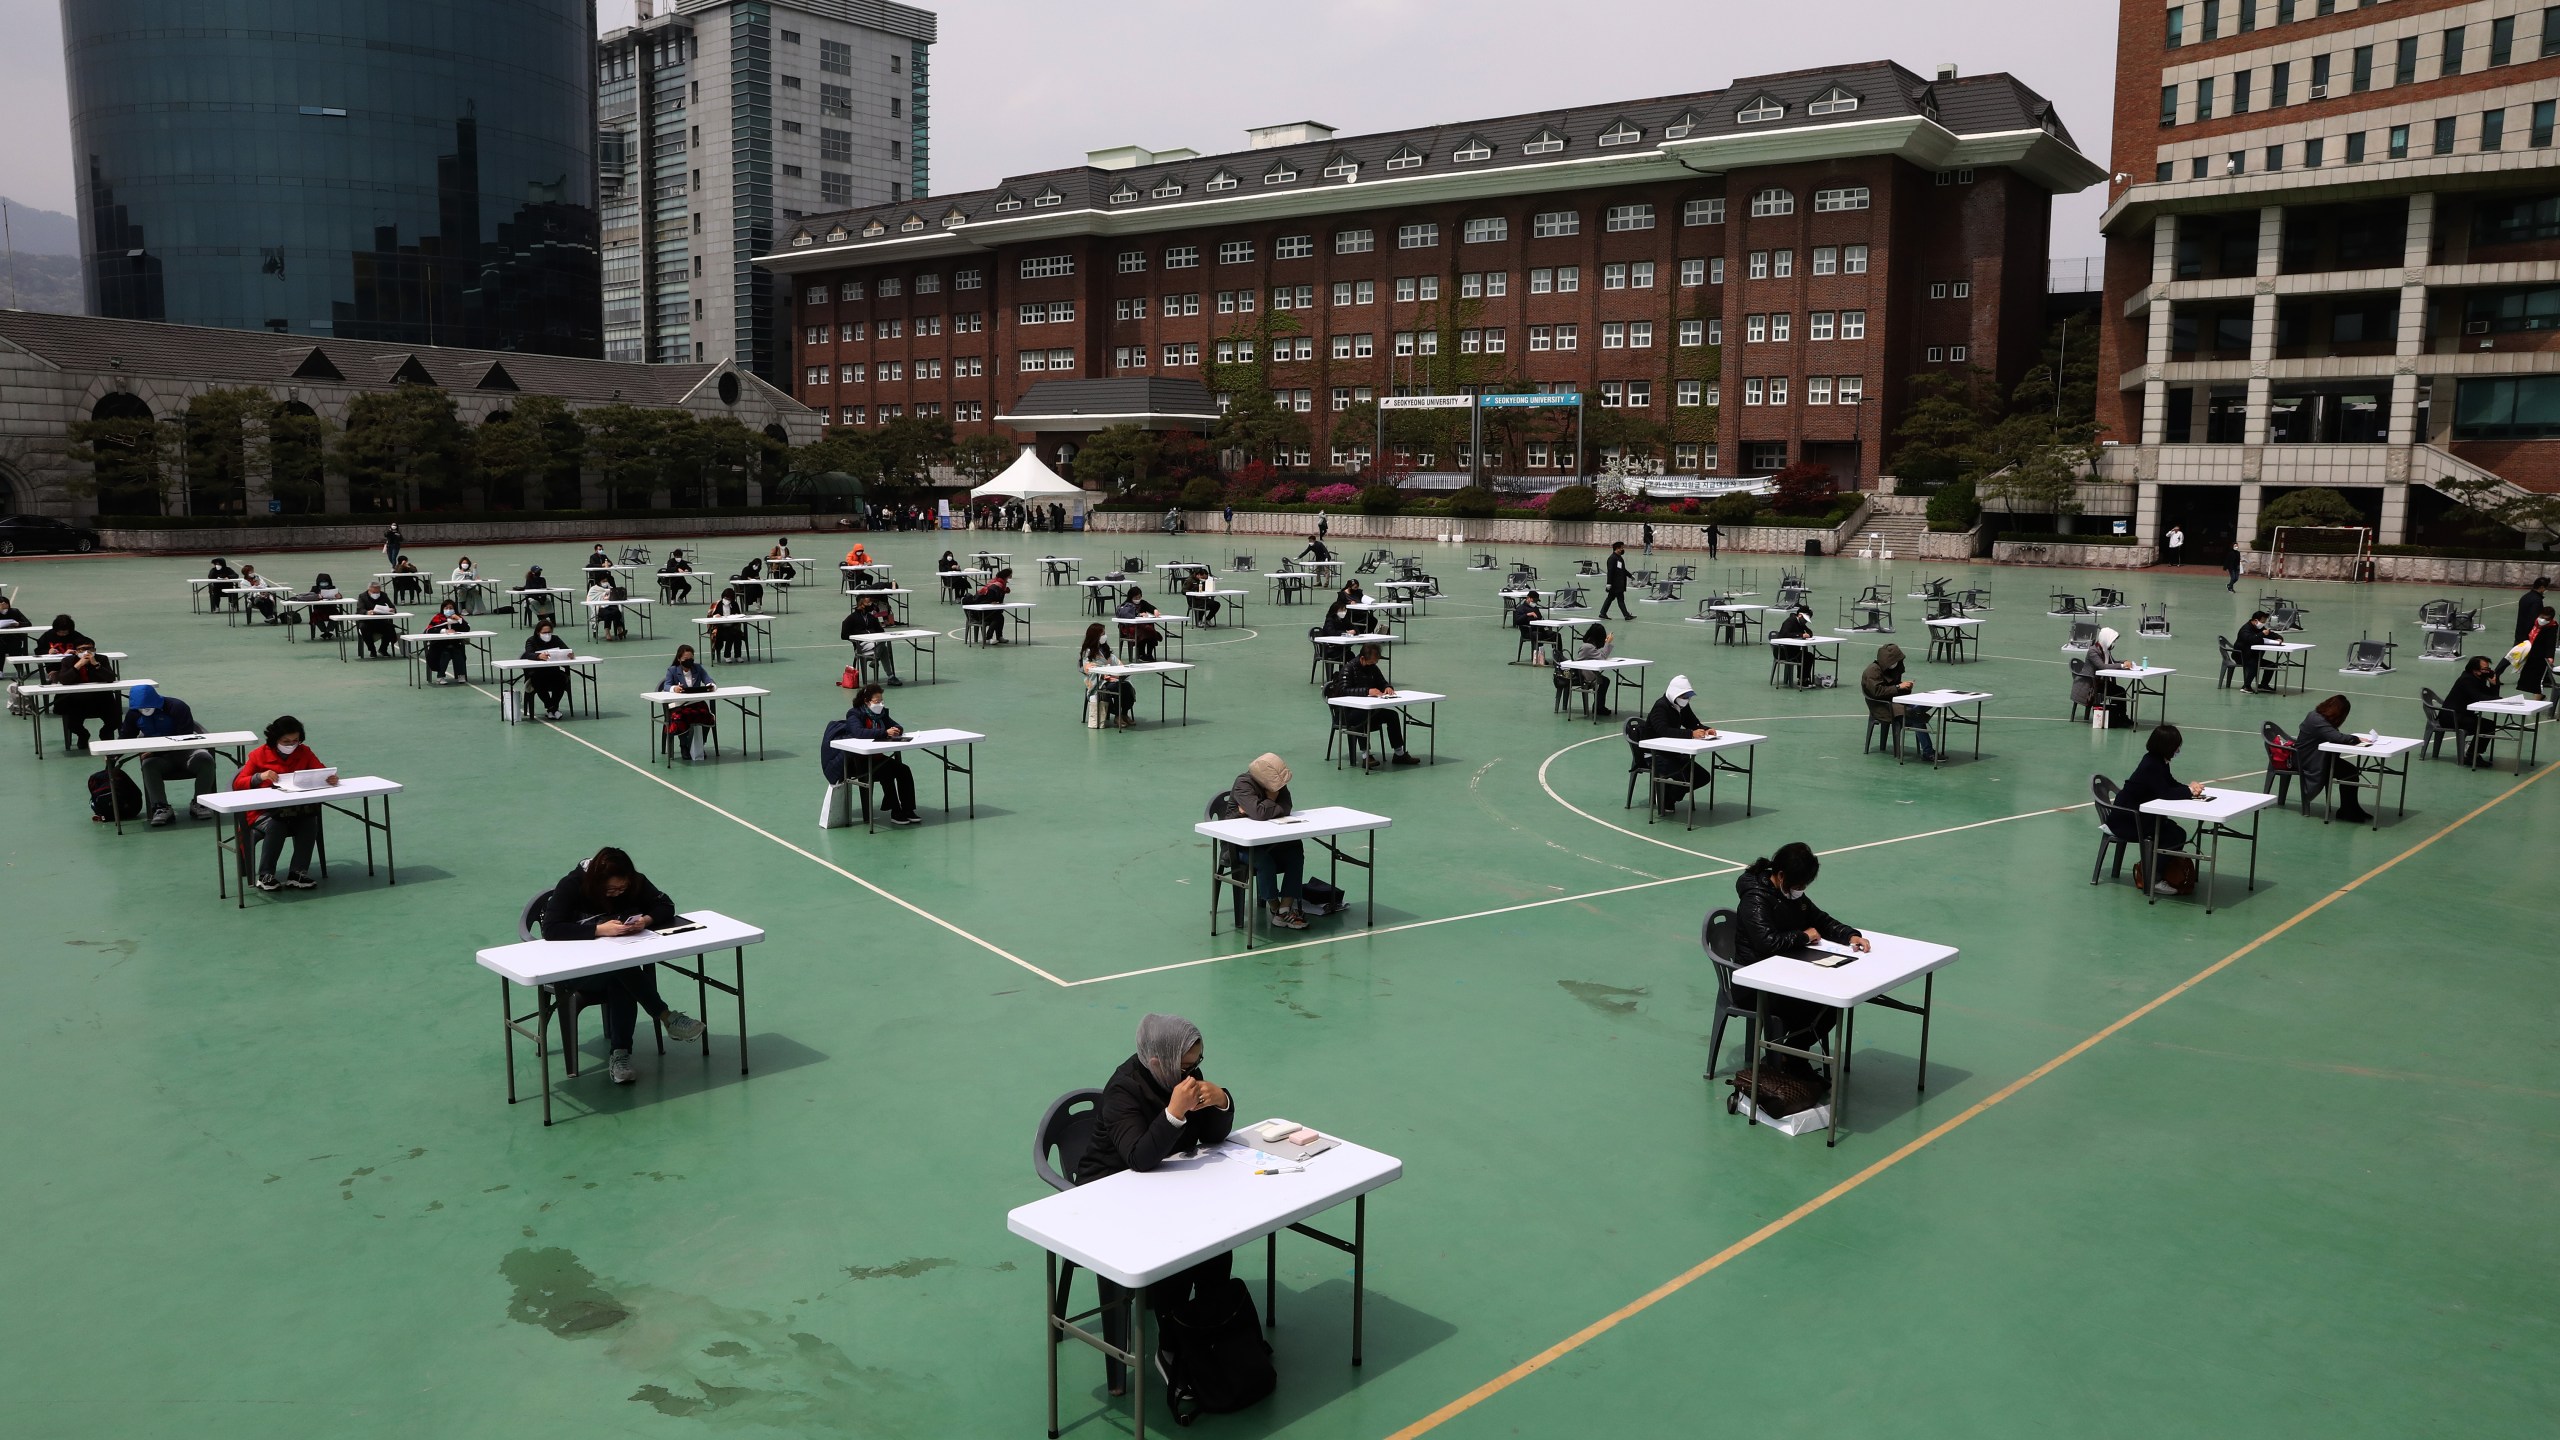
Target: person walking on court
column 2529, row 608
column 2534, row 665
column 1617, row 582
column 1648, row 540
column 2231, row 567
column 1714, row 534
column 1324, row 525
column 1229, row 516
column 391, row 546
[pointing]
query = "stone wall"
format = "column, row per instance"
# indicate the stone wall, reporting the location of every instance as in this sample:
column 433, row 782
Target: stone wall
column 2077, row 557
column 1351, row 526
column 269, row 539
column 2413, row 569
column 1950, row 544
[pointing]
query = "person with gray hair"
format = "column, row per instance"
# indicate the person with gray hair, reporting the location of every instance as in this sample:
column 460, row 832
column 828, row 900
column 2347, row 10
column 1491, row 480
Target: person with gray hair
column 1155, row 1105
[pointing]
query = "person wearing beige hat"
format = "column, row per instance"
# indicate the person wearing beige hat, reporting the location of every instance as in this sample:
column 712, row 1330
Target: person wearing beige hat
column 1262, row 793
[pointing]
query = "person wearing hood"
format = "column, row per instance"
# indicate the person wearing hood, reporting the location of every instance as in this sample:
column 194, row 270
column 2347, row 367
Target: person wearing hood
column 1262, row 793
column 2477, row 682
column 223, row 576
column 1882, row 683
column 1597, row 644
column 603, row 898
column 1797, row 626
column 1671, row 718
column 2090, row 688
column 150, row 715
column 1154, row 1106
column 1774, row 916
column 408, row 583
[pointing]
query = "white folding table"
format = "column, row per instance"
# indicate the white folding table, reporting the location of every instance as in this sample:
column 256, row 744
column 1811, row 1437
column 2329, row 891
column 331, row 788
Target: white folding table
column 1393, row 610
column 1733, row 620
column 2370, row 756
column 937, row 743
column 1810, row 648
column 351, row 627
column 1952, row 638
column 898, row 598
column 2517, row 715
column 1347, row 646
column 745, row 699
column 44, row 695
column 581, row 668
column 313, row 612
column 1946, row 703
column 1891, row 962
column 1322, row 825
column 116, row 752
column 1166, row 624
column 1136, row 1228
column 1287, row 585
column 2212, row 817
column 236, row 805
column 991, row 618
column 1057, row 569
column 629, row 605
column 525, row 606
column 919, row 643
column 1165, row 672
column 759, row 634
column 2136, row 678
column 1717, row 750
column 2284, row 655
column 1618, row 672
column 541, row 964
column 1401, row 701
column 414, row 647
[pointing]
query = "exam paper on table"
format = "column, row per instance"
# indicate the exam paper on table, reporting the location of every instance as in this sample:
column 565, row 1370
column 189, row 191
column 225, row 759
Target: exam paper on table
column 1829, row 947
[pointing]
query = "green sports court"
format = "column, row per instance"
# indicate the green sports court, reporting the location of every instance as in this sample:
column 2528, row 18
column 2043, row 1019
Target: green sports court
column 2284, row 1169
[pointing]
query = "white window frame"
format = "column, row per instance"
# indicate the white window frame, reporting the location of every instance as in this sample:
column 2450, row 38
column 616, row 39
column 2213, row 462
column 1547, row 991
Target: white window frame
column 1422, row 235
column 1775, row 200
column 1487, row 229
column 1705, row 210
column 1133, row 262
column 1555, row 224
column 1752, row 391
column 1852, row 389
column 1760, row 112
column 1293, row 247
column 1613, row 277
column 1782, row 264
column 1685, row 394
column 1692, row 332
column 1181, row 257
column 1845, row 197
column 1613, row 335
column 1235, row 252
column 1354, row 242
column 1818, row 325
column 1782, row 327
column 1817, row 389
column 1777, row 389
column 1853, row 324
column 1853, row 259
column 1826, row 259
column 1630, row 217
column 1693, row 272
column 1639, row 334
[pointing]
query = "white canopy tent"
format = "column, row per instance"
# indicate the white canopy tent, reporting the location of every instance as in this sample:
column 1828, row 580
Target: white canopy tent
column 1033, row 483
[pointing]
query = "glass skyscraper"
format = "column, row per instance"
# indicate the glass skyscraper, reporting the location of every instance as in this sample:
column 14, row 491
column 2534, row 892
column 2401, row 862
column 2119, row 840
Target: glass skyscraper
column 418, row 173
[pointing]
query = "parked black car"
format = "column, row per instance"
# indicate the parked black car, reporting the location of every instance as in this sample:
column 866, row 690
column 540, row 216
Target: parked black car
column 20, row 534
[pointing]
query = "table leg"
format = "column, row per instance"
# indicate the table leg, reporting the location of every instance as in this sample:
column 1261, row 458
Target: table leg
column 1759, row 1042
column 1137, row 1350
column 507, row 1027
column 1049, row 1312
column 1271, row 1281
column 542, row 1047
column 1928, row 1001
column 738, row 962
column 1373, row 880
column 1359, row 1271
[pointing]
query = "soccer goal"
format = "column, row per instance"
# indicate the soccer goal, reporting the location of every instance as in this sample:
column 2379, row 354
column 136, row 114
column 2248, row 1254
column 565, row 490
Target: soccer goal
column 2298, row 544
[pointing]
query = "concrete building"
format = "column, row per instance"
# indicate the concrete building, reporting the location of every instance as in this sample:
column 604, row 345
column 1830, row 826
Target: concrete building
column 1760, row 270
column 2333, row 257
column 719, row 121
column 56, row 370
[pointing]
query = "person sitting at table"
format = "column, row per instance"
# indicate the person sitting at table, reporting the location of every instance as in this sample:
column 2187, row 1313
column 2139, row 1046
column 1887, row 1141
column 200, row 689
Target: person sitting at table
column 150, row 715
column 223, row 577
column 997, row 590
column 599, row 565
column 1797, row 626
column 1262, row 793
column 465, row 576
column 688, row 725
column 534, row 580
column 14, row 628
column 871, row 720
column 2244, row 653
column 251, row 580
column 61, row 637
column 955, row 584
column 1671, row 718
column 2151, row 781
column 749, row 583
column 603, row 898
column 447, row 655
column 728, row 642
column 2088, row 687
column 1597, row 644
column 2477, row 682
column 374, row 628
column 1155, row 1105
column 83, row 665
column 323, row 619
column 268, row 830
column 1351, row 593
column 1364, row 676
column 859, row 558
column 1315, row 550
column 407, row 584
column 549, row 683
column 778, row 561
column 1202, row 591
column 1525, row 613
column 870, row 616
column 1338, row 620
column 674, row 585
column 606, row 615
column 1118, row 697
column 1882, row 684
column 1141, row 639
column 1774, row 916
column 2317, row 767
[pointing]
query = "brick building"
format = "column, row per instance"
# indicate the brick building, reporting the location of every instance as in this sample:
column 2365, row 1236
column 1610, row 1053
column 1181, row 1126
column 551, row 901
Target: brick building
column 1758, row 270
column 2333, row 256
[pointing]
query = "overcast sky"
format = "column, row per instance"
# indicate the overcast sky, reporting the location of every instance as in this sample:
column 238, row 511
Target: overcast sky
column 1022, row 85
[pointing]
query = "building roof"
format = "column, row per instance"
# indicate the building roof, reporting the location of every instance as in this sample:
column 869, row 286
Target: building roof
column 1096, row 404
column 882, row 15
column 1869, row 108
column 258, row 357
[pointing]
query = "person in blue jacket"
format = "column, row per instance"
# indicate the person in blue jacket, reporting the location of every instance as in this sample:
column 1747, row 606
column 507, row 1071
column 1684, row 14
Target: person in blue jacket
column 872, row 721
column 152, row 715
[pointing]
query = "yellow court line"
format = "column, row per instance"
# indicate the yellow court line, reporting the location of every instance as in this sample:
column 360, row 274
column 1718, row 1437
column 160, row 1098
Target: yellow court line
column 1747, row 1243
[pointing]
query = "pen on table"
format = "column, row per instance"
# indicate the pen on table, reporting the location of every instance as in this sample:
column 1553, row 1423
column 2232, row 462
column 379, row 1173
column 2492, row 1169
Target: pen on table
column 1284, row 1170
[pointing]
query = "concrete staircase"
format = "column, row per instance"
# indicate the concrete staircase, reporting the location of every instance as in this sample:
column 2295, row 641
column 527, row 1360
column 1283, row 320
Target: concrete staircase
column 1895, row 523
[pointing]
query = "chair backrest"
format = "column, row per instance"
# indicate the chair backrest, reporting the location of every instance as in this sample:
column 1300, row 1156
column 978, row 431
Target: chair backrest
column 2224, row 643
column 2434, row 705
column 1715, row 936
column 2103, row 791
column 529, row 921
column 2079, row 667
column 2368, row 652
column 2435, row 612
column 1633, row 729
column 1066, row 1128
column 2280, row 747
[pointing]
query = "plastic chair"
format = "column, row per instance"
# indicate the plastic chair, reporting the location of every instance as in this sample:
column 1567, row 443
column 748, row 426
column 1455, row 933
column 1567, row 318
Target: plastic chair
column 2155, row 620
column 2431, row 740
column 2280, row 748
column 2230, row 662
column 2084, row 633
column 1716, row 938
column 2079, row 709
column 1351, row 727
column 565, row 1003
column 1884, row 730
column 1233, row 871
column 2103, row 791
column 1640, row 762
column 1066, row 1128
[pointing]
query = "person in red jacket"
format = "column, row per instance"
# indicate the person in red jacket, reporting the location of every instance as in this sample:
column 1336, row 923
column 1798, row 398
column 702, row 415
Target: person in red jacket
column 283, row 754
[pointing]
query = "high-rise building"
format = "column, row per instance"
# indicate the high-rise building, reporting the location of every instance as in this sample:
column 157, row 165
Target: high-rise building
column 719, row 120
column 2333, row 257
column 403, row 173
column 1758, row 271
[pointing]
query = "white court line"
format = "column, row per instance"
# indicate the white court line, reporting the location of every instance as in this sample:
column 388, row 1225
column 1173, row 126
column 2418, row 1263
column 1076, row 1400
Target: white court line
column 987, row 945
column 1603, row 824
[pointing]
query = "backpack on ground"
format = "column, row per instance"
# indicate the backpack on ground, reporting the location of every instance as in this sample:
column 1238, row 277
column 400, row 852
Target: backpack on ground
column 1321, row 897
column 113, row 796
column 1214, row 1356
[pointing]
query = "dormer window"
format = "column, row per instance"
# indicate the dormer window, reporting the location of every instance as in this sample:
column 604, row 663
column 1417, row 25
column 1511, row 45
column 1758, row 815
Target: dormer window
column 838, row 235
column 911, row 224
column 1166, row 191
column 1407, row 158
column 1621, row 133
column 1473, row 151
column 873, row 229
column 1834, row 101
column 802, row 237
column 1760, row 111
column 1007, row 204
column 1681, row 128
column 1047, row 198
column 1281, row 174
column 1125, row 194
column 1342, row 168
column 1545, row 142
column 1223, row 180
column 954, row 220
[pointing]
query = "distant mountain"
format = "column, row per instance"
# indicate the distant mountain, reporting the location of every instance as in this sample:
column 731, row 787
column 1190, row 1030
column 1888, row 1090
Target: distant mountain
column 42, row 232
column 50, row 283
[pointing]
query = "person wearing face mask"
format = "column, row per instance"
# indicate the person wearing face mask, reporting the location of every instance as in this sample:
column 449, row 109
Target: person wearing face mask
column 1882, row 684
column 1139, row 640
column 408, row 584
column 250, row 579
column 602, row 899
column 1773, row 916
column 447, row 655
column 283, row 754
column 223, row 576
column 466, row 586
column 81, row 664
column 728, row 642
column 870, row 616
column 1155, row 1105
column 2244, row 653
column 687, row 726
column 2089, row 688
column 2151, row 781
column 608, row 621
column 374, row 627
column 2317, row 767
column 1597, row 644
column 675, row 579
column 150, row 715
column 550, row 683
column 871, row 721
column 599, row 565
column 1671, row 718
column 2477, row 682
column 1118, row 698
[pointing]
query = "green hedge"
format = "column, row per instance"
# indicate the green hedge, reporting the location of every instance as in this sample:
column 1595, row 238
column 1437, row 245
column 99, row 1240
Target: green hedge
column 2047, row 537
column 432, row 517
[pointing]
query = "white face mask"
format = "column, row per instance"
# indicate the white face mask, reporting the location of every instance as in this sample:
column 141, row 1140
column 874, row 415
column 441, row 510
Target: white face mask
column 287, row 747
column 878, row 709
column 1790, row 894
column 146, row 709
